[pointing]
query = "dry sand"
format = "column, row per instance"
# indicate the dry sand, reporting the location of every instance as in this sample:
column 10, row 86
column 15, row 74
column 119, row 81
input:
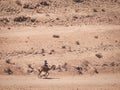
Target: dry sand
column 86, row 82
column 82, row 34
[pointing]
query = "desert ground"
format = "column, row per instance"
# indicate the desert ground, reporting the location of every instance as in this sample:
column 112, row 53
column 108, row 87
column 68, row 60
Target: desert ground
column 81, row 38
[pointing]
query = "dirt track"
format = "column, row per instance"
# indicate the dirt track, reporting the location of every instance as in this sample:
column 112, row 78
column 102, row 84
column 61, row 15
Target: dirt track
column 87, row 82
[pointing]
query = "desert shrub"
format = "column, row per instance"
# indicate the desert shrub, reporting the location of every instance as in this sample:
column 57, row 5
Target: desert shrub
column 30, row 68
column 44, row 3
column 79, row 69
column 29, row 6
column 33, row 20
column 21, row 19
column 4, row 20
column 8, row 61
column 8, row 71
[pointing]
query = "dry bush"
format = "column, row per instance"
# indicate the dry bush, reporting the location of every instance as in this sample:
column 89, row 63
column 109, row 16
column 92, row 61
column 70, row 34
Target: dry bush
column 29, row 6
column 44, row 3
column 4, row 20
column 8, row 71
column 21, row 19
column 8, row 61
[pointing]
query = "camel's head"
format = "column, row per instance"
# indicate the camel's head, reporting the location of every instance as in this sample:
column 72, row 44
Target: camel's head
column 53, row 67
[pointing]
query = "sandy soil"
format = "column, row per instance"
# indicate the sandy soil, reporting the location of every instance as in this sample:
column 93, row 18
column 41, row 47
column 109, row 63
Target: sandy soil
column 81, row 38
column 86, row 82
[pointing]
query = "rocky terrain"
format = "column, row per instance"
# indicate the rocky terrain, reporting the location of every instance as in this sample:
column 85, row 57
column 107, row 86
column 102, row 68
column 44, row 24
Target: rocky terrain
column 81, row 38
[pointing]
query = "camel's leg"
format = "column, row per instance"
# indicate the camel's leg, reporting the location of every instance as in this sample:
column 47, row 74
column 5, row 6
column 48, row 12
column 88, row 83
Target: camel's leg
column 39, row 75
column 46, row 75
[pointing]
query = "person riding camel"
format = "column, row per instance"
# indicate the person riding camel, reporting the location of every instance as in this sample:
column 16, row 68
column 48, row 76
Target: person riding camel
column 46, row 64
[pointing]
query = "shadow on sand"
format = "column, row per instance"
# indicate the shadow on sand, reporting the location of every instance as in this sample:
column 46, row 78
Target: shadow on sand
column 50, row 78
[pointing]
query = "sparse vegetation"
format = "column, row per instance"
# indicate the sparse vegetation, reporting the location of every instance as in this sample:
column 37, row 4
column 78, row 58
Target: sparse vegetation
column 4, row 20
column 44, row 3
column 8, row 61
column 8, row 71
column 28, row 6
column 21, row 19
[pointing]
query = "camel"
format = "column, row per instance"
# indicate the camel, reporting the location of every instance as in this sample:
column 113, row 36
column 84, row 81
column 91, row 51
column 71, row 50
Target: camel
column 44, row 71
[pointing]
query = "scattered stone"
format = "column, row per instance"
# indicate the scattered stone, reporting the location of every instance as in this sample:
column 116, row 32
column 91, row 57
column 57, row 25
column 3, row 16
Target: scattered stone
column 77, row 42
column 56, row 36
column 42, row 51
column 99, row 55
column 94, row 10
column 57, row 18
column 63, row 47
column 96, row 71
column 103, row 10
column 78, row 1
column 9, row 28
column 96, row 37
column 104, row 64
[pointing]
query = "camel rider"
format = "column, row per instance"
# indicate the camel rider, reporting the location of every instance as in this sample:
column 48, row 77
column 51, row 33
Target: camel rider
column 46, row 64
